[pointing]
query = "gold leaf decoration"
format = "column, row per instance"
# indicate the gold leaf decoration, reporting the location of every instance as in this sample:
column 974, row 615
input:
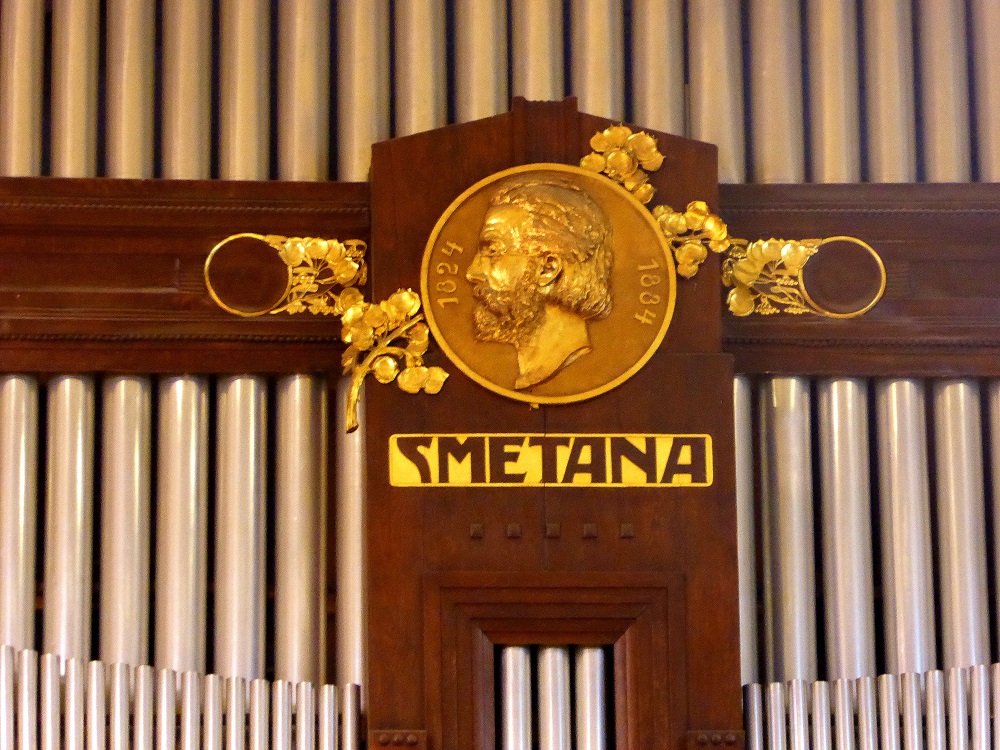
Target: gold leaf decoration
column 315, row 268
column 765, row 276
column 691, row 234
column 387, row 339
column 626, row 158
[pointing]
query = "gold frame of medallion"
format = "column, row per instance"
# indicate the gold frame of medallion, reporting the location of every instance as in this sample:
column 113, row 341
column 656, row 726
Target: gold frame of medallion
column 588, row 175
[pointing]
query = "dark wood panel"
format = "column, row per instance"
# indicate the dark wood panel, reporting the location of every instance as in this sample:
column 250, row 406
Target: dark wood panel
column 517, row 548
column 941, row 310
column 99, row 274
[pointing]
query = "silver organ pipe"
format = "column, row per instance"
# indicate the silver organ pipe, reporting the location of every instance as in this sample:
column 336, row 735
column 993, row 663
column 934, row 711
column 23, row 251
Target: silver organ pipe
column 125, row 521
column 241, row 486
column 537, row 32
column 924, row 116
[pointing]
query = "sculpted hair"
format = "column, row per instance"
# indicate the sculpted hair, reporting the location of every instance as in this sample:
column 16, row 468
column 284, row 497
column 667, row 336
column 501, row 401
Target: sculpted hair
column 566, row 221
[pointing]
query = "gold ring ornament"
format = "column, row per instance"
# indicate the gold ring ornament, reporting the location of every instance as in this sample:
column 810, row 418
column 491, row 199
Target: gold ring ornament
column 769, row 276
column 309, row 268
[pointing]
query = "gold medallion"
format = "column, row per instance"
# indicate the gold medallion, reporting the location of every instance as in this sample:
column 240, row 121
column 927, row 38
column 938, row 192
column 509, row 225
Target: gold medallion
column 548, row 283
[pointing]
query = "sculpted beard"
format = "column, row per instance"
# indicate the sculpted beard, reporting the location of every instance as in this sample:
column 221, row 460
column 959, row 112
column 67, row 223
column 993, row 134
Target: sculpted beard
column 508, row 316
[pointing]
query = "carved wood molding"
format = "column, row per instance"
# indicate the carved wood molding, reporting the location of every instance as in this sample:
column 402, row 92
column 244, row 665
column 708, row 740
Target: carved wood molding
column 941, row 310
column 115, row 268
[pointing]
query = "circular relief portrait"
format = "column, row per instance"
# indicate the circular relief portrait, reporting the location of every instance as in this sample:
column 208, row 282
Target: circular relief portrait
column 548, row 283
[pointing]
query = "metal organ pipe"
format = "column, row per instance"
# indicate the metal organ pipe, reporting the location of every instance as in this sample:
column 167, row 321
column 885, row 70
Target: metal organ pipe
column 835, row 130
column 745, row 529
column 961, row 514
column 537, row 33
column 421, row 92
column 350, row 541
column 905, row 509
column 187, row 89
column 181, row 568
column 300, row 541
column 984, row 25
column 891, row 130
column 129, row 100
column 303, row 76
column 658, row 64
column 18, row 509
column 788, row 531
column 22, row 30
column 597, row 77
column 244, row 107
column 716, row 88
column 125, row 516
column 74, row 88
column 846, row 523
column 241, row 486
column 553, row 698
column 776, row 91
column 362, row 83
column 480, row 59
column 69, row 514
column 943, row 66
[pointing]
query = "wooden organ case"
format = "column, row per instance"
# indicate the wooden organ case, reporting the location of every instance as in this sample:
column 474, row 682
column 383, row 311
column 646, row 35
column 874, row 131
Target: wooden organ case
column 455, row 572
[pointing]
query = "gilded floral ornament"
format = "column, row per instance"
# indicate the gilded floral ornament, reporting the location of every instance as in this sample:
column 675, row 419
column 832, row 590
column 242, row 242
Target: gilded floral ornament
column 625, row 157
column 387, row 339
column 315, row 267
column 765, row 276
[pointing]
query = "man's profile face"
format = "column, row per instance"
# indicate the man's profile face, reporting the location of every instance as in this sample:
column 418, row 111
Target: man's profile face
column 504, row 277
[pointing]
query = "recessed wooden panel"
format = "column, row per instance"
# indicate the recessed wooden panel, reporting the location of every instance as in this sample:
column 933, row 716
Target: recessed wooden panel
column 99, row 274
column 941, row 311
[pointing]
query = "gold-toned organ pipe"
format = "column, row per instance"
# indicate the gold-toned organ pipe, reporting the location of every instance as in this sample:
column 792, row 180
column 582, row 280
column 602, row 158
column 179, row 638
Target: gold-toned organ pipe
column 22, row 31
column 18, row 509
column 597, row 77
column 362, row 83
column 244, row 108
column 131, row 33
column 125, row 521
column 421, row 80
column 69, row 517
column 716, row 88
column 74, row 88
column 186, row 115
column 776, row 91
column 537, row 59
column 241, row 515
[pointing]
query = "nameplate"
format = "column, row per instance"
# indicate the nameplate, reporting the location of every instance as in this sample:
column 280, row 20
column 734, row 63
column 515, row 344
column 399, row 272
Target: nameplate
column 539, row 459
